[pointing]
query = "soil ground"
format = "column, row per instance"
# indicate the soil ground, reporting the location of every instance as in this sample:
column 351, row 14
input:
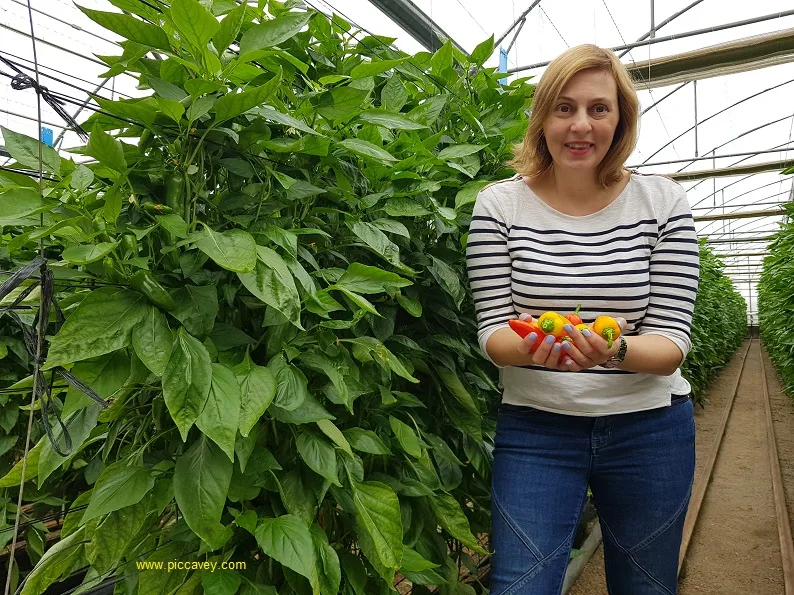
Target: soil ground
column 734, row 548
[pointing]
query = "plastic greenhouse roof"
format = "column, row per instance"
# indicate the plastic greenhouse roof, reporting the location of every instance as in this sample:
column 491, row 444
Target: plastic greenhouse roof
column 667, row 136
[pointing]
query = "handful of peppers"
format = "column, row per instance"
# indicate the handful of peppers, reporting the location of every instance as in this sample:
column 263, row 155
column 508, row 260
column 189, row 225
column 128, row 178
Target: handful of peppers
column 553, row 323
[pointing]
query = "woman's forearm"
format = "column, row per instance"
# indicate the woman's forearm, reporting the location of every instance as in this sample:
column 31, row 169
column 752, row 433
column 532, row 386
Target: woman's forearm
column 646, row 354
column 651, row 354
column 502, row 347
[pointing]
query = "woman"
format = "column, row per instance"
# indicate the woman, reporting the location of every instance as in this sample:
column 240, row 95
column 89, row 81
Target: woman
column 574, row 227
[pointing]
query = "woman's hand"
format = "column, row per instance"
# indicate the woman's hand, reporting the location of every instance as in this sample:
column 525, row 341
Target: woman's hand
column 585, row 351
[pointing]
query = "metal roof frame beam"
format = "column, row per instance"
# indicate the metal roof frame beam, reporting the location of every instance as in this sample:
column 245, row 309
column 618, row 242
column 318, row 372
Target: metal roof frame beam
column 742, row 215
column 741, row 55
column 741, row 240
column 416, row 23
column 726, row 172
column 627, row 46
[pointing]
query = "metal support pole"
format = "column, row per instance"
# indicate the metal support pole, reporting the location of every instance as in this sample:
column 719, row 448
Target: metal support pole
column 522, row 17
column 695, row 87
column 521, row 26
column 653, row 23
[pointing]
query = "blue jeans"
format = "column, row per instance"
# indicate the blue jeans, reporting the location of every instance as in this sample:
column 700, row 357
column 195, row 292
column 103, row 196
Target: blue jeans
column 640, row 468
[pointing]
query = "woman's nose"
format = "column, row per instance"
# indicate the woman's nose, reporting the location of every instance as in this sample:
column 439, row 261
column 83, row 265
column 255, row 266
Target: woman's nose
column 580, row 122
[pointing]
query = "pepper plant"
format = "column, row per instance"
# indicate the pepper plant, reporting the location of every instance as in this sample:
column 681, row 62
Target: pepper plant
column 262, row 269
column 776, row 301
column 719, row 324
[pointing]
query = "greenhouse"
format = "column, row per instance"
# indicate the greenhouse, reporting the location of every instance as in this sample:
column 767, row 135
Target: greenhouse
column 420, row 296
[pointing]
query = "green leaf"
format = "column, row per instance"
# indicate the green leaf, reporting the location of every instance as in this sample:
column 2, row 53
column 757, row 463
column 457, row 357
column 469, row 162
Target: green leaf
column 26, row 151
column 234, row 250
column 414, row 562
column 291, row 384
column 18, row 202
column 318, row 360
column 390, row 120
column 355, row 572
column 287, row 540
column 135, row 109
column 258, row 390
column 55, row 562
column 101, row 324
column 173, row 224
column 329, row 429
column 79, row 425
column 308, row 411
column 367, row 150
column 378, row 241
column 451, row 518
column 457, row 151
column 219, row 418
column 458, row 390
column 110, row 540
column 482, row 52
column 167, row 90
column 234, row 104
column 186, row 381
column 197, row 308
column 82, row 177
column 228, row 581
column 374, row 68
column 285, row 120
column 201, row 482
column 340, row 102
column 172, row 109
column 379, row 526
column 361, row 278
column 10, row 179
column 195, row 23
column 319, row 456
column 406, row 437
column 394, row 95
column 112, row 208
column 107, row 150
column 366, row 441
column 328, row 570
column 200, row 107
column 274, row 32
column 120, row 485
column 447, row 279
column 404, row 207
column 130, row 28
column 14, row 477
column 229, row 28
column 273, row 283
column 88, row 253
column 385, row 357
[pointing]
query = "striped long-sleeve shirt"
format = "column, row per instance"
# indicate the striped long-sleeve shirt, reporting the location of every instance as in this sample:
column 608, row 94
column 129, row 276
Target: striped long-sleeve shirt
column 637, row 258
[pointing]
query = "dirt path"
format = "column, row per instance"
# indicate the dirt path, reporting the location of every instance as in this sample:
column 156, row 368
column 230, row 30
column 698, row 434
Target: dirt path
column 734, row 549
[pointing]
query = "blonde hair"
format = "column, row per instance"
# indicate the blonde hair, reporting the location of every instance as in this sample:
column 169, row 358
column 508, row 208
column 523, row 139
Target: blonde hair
column 532, row 157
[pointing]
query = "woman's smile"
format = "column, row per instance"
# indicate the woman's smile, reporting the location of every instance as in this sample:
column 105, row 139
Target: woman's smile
column 579, row 149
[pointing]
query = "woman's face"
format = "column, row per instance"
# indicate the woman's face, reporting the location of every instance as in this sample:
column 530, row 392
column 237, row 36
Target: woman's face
column 583, row 120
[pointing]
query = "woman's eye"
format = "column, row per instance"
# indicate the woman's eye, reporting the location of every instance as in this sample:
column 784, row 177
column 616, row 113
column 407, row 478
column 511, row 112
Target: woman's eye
column 563, row 108
column 600, row 109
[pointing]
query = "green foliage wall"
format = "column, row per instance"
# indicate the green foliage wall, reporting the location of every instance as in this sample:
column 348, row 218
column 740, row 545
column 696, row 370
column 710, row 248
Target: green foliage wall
column 719, row 323
column 776, row 302
column 263, row 270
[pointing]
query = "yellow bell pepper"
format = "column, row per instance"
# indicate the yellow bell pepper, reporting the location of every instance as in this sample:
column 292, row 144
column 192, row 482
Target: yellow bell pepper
column 607, row 327
column 552, row 323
